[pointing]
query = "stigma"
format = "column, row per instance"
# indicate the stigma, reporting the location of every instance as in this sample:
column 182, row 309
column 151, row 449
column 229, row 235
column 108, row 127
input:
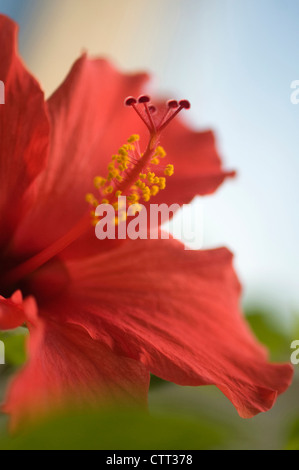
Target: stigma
column 134, row 173
column 156, row 121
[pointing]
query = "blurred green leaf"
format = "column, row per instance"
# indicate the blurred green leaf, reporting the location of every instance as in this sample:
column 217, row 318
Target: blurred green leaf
column 293, row 441
column 14, row 346
column 117, row 430
column 269, row 333
column 295, row 326
column 156, row 382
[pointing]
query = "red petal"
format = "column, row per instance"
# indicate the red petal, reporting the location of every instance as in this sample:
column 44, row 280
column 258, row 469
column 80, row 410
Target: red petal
column 178, row 313
column 67, row 367
column 15, row 311
column 89, row 122
column 197, row 165
column 24, row 131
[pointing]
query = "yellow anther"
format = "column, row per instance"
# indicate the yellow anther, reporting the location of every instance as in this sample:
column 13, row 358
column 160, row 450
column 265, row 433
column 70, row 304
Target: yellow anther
column 155, row 161
column 150, row 177
column 169, row 170
column 109, row 190
column 122, row 151
column 140, row 184
column 133, row 138
column 91, row 200
column 118, row 193
column 142, row 176
column 162, row 183
column 154, row 190
column 105, row 201
column 99, row 182
column 112, row 174
column 160, row 152
column 133, row 198
column 156, row 180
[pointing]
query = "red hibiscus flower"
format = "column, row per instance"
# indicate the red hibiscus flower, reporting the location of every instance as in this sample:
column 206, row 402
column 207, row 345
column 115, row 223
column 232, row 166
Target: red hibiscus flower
column 102, row 315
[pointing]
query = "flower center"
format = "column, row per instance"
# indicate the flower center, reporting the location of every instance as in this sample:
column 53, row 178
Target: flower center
column 48, row 280
column 134, row 174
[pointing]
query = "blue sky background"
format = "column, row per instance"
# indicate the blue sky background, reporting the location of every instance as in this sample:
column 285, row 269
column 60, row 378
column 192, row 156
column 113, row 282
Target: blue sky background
column 235, row 61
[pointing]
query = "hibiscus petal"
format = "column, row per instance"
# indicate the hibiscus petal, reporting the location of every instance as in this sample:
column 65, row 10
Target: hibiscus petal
column 24, row 132
column 197, row 165
column 67, row 367
column 15, row 311
column 178, row 313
